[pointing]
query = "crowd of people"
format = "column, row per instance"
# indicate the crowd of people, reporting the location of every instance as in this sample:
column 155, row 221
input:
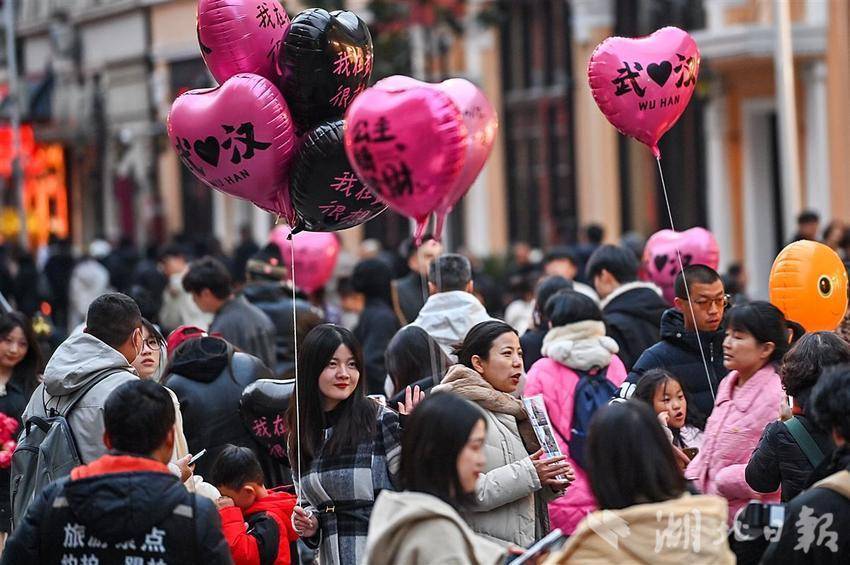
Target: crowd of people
column 709, row 430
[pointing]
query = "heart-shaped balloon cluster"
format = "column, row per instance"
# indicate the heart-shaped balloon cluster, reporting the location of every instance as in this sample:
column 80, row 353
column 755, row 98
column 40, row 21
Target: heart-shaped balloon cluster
column 643, row 85
column 279, row 79
column 660, row 256
column 420, row 146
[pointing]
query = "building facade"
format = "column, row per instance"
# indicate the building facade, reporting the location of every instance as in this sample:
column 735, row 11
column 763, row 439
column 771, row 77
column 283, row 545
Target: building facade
column 102, row 75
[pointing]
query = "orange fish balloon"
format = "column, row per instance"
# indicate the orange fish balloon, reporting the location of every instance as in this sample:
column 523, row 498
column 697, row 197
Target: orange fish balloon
column 808, row 282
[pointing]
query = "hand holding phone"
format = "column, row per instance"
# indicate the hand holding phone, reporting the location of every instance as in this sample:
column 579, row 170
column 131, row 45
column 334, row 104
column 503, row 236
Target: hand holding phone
column 197, row 456
column 545, row 545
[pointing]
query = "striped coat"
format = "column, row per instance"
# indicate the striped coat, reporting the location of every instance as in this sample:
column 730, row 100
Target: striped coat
column 350, row 482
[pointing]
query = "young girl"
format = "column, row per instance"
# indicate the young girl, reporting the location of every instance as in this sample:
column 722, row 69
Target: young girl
column 664, row 392
column 349, row 446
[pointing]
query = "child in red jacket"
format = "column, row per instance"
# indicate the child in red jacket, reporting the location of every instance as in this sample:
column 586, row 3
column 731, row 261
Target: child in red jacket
column 257, row 522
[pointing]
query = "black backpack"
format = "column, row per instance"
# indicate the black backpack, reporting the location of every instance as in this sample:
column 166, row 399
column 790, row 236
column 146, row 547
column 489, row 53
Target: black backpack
column 592, row 392
column 46, row 451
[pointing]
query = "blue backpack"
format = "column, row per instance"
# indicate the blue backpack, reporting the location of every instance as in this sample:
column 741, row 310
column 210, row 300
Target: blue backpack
column 592, row 392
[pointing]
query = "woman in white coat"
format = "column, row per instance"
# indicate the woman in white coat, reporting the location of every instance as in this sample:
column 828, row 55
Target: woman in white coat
column 511, row 496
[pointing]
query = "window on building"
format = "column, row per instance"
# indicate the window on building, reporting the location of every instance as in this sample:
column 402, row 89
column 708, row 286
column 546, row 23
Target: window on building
column 537, row 121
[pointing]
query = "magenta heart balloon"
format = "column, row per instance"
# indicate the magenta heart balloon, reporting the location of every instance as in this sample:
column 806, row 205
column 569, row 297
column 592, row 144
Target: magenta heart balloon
column 315, row 256
column 408, row 145
column 661, row 263
column 241, row 36
column 481, row 123
column 643, row 85
column 237, row 138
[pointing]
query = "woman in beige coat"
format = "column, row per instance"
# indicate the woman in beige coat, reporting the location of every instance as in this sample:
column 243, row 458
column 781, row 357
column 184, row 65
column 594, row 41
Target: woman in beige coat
column 645, row 514
column 511, row 496
column 442, row 457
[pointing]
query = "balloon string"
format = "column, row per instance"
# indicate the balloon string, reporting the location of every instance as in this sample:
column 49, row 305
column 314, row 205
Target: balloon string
column 298, row 489
column 431, row 345
column 687, row 290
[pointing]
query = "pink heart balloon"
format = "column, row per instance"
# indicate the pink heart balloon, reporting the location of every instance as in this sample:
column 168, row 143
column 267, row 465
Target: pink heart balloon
column 408, row 145
column 643, row 85
column 315, row 256
column 661, row 263
column 237, row 138
column 241, row 36
column 481, row 123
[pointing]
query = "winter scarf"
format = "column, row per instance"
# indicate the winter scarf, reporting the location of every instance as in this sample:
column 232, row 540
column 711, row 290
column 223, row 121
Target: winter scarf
column 580, row 346
column 469, row 384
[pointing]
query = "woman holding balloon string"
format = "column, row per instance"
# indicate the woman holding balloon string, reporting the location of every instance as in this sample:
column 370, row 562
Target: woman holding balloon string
column 344, row 447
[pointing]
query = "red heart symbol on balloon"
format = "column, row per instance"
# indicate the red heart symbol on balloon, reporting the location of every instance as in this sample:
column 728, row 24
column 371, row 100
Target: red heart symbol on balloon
column 241, row 36
column 643, row 85
column 408, row 146
column 661, row 261
column 237, row 138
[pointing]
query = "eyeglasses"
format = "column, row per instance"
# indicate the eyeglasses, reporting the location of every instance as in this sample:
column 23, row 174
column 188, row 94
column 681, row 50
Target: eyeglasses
column 706, row 303
column 152, row 343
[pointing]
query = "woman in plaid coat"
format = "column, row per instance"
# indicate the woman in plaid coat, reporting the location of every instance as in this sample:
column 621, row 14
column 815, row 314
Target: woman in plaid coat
column 349, row 450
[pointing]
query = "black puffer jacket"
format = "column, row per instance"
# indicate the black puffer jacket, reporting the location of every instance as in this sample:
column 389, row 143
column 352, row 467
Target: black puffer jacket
column 679, row 352
column 276, row 303
column 208, row 377
column 117, row 514
column 632, row 316
column 779, row 461
column 823, row 536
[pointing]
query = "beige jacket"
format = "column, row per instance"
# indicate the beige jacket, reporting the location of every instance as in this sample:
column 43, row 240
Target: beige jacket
column 415, row 528
column 689, row 529
column 505, row 502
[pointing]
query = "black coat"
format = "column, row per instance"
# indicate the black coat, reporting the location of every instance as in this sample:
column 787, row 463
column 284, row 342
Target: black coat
column 247, row 327
column 376, row 327
column 208, row 378
column 276, row 303
column 633, row 320
column 12, row 404
column 779, row 461
column 531, row 343
column 829, row 511
column 679, row 352
column 409, row 294
column 111, row 516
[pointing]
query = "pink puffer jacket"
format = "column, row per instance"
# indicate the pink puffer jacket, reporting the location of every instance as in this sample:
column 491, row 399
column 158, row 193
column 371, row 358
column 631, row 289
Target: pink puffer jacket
column 732, row 434
column 557, row 384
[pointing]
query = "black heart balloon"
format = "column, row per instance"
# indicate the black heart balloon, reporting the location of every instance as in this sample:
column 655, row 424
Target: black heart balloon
column 263, row 410
column 326, row 61
column 326, row 193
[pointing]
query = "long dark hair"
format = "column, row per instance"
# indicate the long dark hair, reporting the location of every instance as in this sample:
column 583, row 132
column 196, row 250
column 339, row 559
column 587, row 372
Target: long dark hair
column 641, row 468
column 357, row 413
column 654, row 378
column 411, row 356
column 434, row 435
column 766, row 323
column 479, row 340
column 27, row 371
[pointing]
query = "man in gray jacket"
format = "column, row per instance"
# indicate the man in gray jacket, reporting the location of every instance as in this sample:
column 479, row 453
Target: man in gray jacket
column 104, row 351
column 236, row 320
